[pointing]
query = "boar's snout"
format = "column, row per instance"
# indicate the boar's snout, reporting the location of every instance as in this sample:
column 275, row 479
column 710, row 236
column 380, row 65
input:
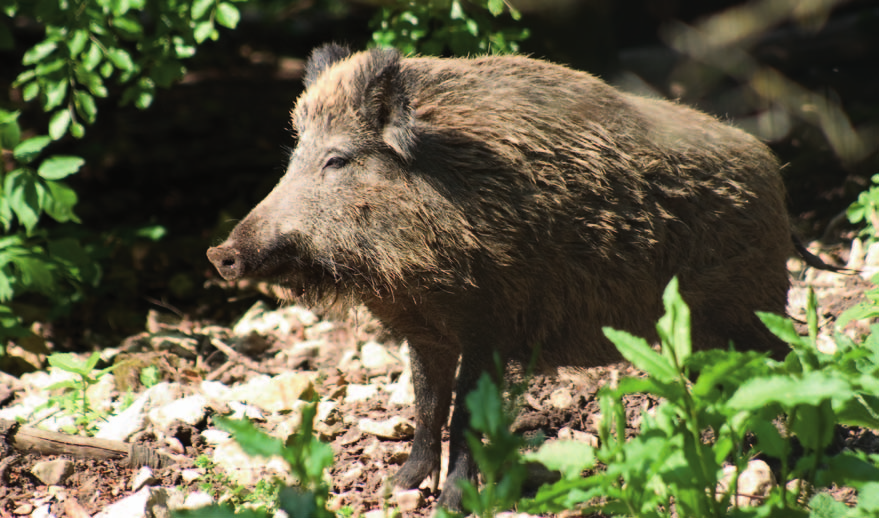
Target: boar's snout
column 228, row 261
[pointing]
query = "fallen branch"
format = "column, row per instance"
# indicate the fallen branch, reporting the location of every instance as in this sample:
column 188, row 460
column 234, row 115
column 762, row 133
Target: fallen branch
column 33, row 440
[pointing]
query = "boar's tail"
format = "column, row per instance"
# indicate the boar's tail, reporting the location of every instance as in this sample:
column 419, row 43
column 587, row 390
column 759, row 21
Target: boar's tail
column 816, row 262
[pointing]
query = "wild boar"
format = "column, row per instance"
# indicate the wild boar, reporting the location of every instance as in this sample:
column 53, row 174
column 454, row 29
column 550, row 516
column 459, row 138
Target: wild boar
column 499, row 204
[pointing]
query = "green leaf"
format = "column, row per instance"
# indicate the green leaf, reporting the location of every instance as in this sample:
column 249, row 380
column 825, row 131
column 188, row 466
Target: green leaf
column 119, row 7
column 228, row 15
column 56, row 92
column 202, row 32
column 642, row 356
column 85, row 105
column 59, row 166
column 70, row 362
column 128, row 26
column 10, row 132
column 674, row 326
column 59, row 123
column 823, row 505
column 200, row 8
column 93, row 56
column 788, row 391
column 251, row 439
column 30, row 148
column 30, row 91
column 121, row 59
column 76, row 42
column 496, row 7
column 570, row 458
column 60, row 202
column 780, row 327
column 38, row 52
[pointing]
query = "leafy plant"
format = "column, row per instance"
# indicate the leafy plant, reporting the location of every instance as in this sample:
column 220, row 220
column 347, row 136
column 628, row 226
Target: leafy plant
column 304, row 453
column 439, row 26
column 75, row 401
column 88, row 47
column 865, row 210
column 669, row 470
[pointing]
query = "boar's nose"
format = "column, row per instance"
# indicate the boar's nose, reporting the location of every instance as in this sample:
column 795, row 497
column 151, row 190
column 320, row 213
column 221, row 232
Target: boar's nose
column 228, row 261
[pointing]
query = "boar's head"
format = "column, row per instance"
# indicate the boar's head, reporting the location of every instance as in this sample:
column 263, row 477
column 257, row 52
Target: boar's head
column 351, row 215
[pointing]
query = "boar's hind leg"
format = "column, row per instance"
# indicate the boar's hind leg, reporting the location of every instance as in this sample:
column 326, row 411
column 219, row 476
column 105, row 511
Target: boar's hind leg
column 433, row 372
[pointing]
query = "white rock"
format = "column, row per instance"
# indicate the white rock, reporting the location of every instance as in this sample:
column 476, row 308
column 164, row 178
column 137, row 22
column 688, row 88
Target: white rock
column 757, row 480
column 246, row 470
column 566, row 433
column 215, row 390
column 377, row 357
column 53, row 472
column 148, row 502
column 190, row 410
column 350, row 361
column 245, row 411
column 354, row 392
column 43, row 511
column 278, row 393
column 327, row 412
column 377, row 513
column 319, row 330
column 144, row 477
column 191, row 475
column 561, row 398
column 395, row 428
column 402, row 392
column 213, row 437
column 196, row 500
column 408, row 501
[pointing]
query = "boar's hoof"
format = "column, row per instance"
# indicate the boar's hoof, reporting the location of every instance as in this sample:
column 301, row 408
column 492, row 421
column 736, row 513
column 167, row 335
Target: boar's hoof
column 228, row 262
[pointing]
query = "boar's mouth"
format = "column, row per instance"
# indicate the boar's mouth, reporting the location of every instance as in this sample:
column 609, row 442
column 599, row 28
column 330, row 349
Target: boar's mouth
column 285, row 265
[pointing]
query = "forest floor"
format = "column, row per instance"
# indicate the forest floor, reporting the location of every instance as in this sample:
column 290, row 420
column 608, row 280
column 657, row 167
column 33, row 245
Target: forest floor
column 359, row 375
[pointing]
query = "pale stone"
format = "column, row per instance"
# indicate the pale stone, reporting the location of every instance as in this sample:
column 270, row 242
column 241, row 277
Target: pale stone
column 408, row 501
column 354, row 392
column 278, row 393
column 133, row 419
column 246, row 470
column 561, row 398
column 566, row 433
column 190, row 410
column 53, row 472
column 144, row 477
column 402, row 392
column 395, row 428
column 148, row 502
column 377, row 357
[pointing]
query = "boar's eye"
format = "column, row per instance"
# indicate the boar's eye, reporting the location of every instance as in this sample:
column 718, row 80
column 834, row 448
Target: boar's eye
column 335, row 162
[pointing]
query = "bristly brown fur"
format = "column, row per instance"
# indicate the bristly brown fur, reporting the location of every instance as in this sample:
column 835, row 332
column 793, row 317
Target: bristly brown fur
column 497, row 204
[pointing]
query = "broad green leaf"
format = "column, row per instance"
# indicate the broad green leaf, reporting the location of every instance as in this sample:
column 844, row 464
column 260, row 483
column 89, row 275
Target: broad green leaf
column 10, row 133
column 59, row 123
column 72, row 363
column 228, row 15
column 780, row 327
column 200, row 8
column 76, row 42
column 642, row 356
column 56, row 92
column 674, row 326
column 788, row 391
column 570, row 458
column 121, row 59
column 38, row 52
column 85, row 105
column 93, row 56
column 46, row 68
column 203, row 31
column 119, row 7
column 60, row 202
column 59, row 166
column 30, row 91
column 496, row 7
column 30, row 148
column 814, row 425
column 251, row 439
column 77, row 130
column 486, row 407
column 128, row 26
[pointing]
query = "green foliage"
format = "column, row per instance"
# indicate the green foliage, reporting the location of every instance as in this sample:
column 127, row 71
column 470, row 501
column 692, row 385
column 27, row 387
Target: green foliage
column 865, row 210
column 75, row 401
column 87, row 48
column 304, row 453
column 439, row 26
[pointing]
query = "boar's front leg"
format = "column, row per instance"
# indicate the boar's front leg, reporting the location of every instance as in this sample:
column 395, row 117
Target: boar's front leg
column 433, row 373
column 474, row 362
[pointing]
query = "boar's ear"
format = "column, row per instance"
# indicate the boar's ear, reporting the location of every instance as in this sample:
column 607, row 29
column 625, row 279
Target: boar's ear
column 386, row 105
column 321, row 58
